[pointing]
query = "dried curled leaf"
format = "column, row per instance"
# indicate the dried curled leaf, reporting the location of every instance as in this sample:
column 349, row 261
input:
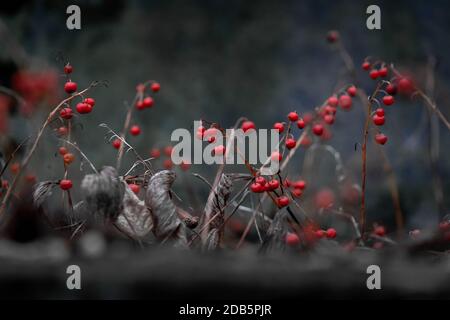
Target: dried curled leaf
column 167, row 224
column 104, row 193
column 214, row 215
column 135, row 219
column 42, row 191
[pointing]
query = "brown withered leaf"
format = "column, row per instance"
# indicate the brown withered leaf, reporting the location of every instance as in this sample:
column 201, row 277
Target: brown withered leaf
column 104, row 193
column 214, row 214
column 167, row 226
column 135, row 219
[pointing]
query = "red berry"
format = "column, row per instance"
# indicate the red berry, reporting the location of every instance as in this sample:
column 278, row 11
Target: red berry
column 276, row 156
column 168, row 151
column 380, row 112
column 325, row 198
column 333, row 101
column 274, row 184
column 248, row 125
column 134, row 187
column 282, row 201
column 374, row 74
column 388, row 100
column 68, row 158
column 140, row 105
column 65, row 184
column 210, row 134
column 68, row 69
column 297, row 192
column 352, row 91
column 332, row 36
column 301, row 123
column 405, row 86
column 62, row 131
column 366, row 65
column 381, row 138
column 377, row 120
column 219, row 150
column 391, row 89
column 293, row 116
column 290, row 143
column 299, row 184
column 155, row 153
column 279, row 127
column 155, row 87
column 256, row 188
column 328, row 118
column 135, row 130
column 89, row 101
column 345, row 102
column 260, row 180
column 292, row 239
column 200, row 132
column 320, row 234
column 83, row 108
column 330, row 110
column 185, row 165
column 168, row 164
column 148, row 102
column 383, row 72
column 30, row 178
column 66, row 113
column 70, row 87
column 62, row 150
column 331, row 233
column 380, row 231
column 318, row 129
column 15, row 167
column 116, row 143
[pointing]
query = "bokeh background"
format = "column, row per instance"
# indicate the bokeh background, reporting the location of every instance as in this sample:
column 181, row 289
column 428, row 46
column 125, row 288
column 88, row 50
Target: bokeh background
column 220, row 60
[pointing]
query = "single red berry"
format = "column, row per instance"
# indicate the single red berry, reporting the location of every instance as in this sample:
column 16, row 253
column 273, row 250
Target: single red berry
column 148, row 102
column 380, row 112
column 62, row 150
column 331, row 233
column 332, row 36
column 66, row 113
column 330, row 110
column 256, row 188
column 345, row 102
column 15, row 168
column 352, row 91
column 293, row 116
column 30, row 178
column 328, row 118
column 155, row 153
column 116, row 143
column 297, row 192
column 155, row 87
column 140, row 105
column 290, row 143
column 279, row 127
column 299, row 184
column 405, row 86
column 388, row 100
column 366, row 65
column 135, row 130
column 219, row 150
column 292, row 239
column 333, row 101
column 383, row 72
column 282, row 201
column 185, row 166
column 301, row 123
column 70, row 87
column 274, row 184
column 374, row 74
column 168, row 150
column 135, row 188
column 260, row 180
column 377, row 120
column 65, row 184
column 68, row 69
column 68, row 158
column 89, row 101
column 248, row 125
column 83, row 108
column 168, row 164
column 276, row 156
column 318, row 129
column 391, row 89
column 381, row 138
column 380, row 231
column 62, row 131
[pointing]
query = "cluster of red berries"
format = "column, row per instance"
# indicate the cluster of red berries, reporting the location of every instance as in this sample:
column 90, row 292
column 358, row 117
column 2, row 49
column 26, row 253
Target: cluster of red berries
column 210, row 135
column 292, row 239
column 144, row 102
column 296, row 187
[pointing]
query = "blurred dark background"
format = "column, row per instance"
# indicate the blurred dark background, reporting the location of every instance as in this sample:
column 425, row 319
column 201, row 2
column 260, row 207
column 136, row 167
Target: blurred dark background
column 219, row 60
